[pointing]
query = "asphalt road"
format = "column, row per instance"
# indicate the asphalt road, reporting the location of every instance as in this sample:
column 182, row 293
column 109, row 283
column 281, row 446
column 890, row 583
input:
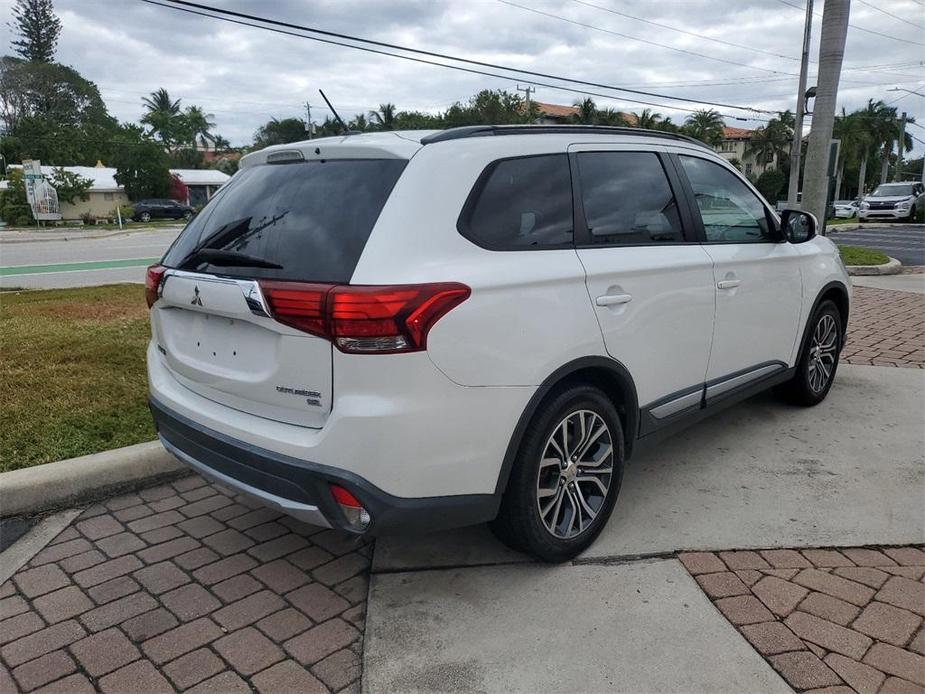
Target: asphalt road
column 904, row 242
column 81, row 262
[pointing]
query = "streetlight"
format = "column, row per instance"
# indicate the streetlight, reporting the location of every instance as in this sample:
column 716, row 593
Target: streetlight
column 902, row 89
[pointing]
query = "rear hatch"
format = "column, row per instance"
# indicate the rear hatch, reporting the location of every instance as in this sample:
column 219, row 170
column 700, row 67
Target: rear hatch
column 298, row 221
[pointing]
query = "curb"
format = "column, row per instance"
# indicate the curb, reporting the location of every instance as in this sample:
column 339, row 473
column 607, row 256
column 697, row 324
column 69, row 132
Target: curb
column 893, row 267
column 87, row 478
column 856, row 226
column 73, row 234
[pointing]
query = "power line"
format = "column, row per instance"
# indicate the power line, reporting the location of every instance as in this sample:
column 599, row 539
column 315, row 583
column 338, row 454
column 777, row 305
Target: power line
column 220, row 14
column 890, row 14
column 855, row 26
column 689, row 33
column 636, row 38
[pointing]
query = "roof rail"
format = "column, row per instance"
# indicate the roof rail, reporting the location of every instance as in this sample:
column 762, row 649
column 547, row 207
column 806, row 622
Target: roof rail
column 488, row 130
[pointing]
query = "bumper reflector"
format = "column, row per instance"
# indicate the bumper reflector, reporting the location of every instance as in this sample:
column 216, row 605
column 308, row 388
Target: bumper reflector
column 353, row 510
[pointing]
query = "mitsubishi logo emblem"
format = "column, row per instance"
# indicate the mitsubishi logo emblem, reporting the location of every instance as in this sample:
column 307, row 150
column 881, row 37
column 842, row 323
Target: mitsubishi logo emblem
column 196, row 300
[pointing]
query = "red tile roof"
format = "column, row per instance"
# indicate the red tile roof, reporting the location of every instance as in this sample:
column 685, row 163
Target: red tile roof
column 737, row 133
column 560, row 111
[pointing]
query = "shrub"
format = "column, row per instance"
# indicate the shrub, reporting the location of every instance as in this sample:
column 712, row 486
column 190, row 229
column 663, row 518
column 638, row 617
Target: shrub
column 88, row 218
column 125, row 210
column 770, row 184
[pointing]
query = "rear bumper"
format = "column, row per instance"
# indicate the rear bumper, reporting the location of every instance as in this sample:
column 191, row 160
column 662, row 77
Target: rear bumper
column 301, row 488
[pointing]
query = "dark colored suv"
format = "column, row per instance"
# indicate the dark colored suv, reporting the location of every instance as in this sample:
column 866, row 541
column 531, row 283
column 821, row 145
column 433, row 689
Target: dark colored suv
column 146, row 210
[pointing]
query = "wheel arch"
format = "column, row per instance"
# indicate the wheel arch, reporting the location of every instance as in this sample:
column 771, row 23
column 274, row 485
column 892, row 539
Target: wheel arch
column 837, row 293
column 602, row 372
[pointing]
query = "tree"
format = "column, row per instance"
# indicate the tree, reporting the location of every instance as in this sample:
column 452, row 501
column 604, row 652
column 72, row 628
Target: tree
column 50, row 112
column 220, row 143
column 38, row 28
column 69, row 185
column 142, row 166
column 876, row 119
column 736, row 162
column 491, row 107
column 648, row 119
column 772, row 142
column 770, row 184
column 586, row 112
column 706, row 126
column 278, row 132
column 199, row 125
column 849, row 130
column 610, row 116
column 163, row 117
column 384, row 117
column 14, row 205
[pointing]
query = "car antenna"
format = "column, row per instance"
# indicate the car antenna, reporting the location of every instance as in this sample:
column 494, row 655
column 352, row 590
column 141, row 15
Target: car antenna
column 336, row 115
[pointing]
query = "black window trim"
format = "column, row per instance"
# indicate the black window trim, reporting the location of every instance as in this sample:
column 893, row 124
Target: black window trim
column 773, row 222
column 583, row 237
column 465, row 215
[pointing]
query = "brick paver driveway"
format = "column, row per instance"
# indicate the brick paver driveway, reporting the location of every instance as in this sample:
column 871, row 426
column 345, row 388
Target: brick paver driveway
column 186, row 586
column 886, row 328
column 825, row 617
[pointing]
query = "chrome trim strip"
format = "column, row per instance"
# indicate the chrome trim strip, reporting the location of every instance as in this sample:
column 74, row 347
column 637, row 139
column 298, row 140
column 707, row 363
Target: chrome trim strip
column 303, row 512
column 253, row 295
column 743, row 378
column 674, row 406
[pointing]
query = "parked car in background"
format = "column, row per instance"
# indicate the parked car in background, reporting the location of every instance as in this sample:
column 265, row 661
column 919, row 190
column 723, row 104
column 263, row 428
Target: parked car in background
column 845, row 209
column 406, row 331
column 893, row 201
column 160, row 208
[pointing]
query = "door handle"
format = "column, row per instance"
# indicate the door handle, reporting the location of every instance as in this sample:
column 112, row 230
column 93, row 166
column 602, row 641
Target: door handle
column 728, row 284
column 613, row 299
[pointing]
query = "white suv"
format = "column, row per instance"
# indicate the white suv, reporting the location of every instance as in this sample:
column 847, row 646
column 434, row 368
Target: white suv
column 419, row 330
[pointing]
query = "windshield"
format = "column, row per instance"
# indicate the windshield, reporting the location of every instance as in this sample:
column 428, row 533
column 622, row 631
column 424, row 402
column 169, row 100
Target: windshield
column 889, row 189
column 305, row 221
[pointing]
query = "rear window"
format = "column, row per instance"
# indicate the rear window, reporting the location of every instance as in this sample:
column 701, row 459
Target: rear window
column 311, row 218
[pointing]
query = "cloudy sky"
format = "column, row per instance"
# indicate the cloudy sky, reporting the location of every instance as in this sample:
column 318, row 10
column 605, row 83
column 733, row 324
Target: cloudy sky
column 739, row 52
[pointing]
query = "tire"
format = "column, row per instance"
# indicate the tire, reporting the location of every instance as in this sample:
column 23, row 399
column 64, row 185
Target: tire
column 145, row 217
column 538, row 473
column 187, row 216
column 818, row 359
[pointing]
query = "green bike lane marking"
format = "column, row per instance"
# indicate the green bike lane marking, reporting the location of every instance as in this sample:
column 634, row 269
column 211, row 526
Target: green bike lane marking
column 9, row 270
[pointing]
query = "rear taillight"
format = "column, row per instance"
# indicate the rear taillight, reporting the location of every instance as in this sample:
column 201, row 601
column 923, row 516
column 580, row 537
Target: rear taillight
column 365, row 319
column 153, row 278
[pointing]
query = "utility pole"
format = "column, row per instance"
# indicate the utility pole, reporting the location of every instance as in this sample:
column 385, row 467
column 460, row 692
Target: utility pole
column 308, row 110
column 831, row 54
column 797, row 146
column 899, row 148
column 528, row 90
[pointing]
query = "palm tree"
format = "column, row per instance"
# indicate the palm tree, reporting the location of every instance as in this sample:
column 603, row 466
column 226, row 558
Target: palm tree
column 162, row 115
column 384, row 118
column 849, row 129
column 648, row 119
column 199, row 125
column 359, row 123
column 877, row 120
column 220, row 143
column 586, row 112
column 771, row 142
column 610, row 116
column 705, row 125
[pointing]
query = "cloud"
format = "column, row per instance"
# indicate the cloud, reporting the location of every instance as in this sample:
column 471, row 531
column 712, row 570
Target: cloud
column 244, row 76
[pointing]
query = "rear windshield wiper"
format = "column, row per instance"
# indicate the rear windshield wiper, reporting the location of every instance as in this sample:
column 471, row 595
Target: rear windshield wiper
column 216, row 256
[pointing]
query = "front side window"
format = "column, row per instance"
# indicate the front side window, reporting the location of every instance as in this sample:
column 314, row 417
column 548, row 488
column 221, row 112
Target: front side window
column 521, row 204
column 627, row 199
column 730, row 211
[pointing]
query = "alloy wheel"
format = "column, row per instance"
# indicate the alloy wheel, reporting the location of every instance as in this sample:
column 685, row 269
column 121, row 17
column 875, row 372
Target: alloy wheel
column 575, row 474
column 822, row 353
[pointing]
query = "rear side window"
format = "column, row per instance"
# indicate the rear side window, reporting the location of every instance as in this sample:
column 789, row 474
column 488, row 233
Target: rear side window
column 627, row 199
column 521, row 204
column 311, row 218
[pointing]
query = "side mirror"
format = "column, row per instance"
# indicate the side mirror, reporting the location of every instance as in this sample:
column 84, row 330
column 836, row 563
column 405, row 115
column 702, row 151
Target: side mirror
column 798, row 226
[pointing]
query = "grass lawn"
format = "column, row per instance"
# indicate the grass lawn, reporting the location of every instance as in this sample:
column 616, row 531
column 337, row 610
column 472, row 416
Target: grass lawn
column 72, row 373
column 852, row 255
